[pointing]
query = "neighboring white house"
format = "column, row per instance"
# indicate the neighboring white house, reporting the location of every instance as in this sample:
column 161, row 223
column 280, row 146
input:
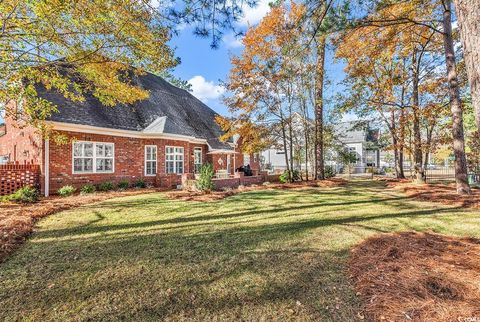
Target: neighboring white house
column 356, row 136
column 359, row 138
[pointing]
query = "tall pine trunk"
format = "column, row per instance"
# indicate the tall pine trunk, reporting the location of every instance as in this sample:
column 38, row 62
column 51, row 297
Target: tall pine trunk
column 398, row 147
column 319, row 80
column 455, row 103
column 284, row 141
column 417, row 136
column 468, row 14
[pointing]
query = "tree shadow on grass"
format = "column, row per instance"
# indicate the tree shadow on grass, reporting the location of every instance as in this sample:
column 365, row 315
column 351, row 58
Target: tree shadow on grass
column 167, row 275
column 249, row 212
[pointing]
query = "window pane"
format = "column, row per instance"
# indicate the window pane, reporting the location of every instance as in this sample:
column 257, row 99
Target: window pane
column 169, row 167
column 100, row 164
column 109, row 150
column 108, row 164
column 88, row 149
column 77, row 165
column 100, row 150
column 77, row 149
column 88, row 165
column 149, row 168
column 179, row 166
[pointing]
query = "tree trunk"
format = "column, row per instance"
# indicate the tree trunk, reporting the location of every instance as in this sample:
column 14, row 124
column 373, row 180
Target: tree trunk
column 290, row 132
column 284, row 139
column 417, row 137
column 468, row 14
column 319, row 80
column 428, row 144
column 305, row 134
column 455, row 103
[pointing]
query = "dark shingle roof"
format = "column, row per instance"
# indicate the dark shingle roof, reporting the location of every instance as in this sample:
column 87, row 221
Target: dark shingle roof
column 178, row 112
column 355, row 132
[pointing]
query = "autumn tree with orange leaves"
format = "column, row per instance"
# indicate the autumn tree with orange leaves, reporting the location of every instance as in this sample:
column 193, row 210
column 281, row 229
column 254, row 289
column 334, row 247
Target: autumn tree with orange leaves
column 265, row 82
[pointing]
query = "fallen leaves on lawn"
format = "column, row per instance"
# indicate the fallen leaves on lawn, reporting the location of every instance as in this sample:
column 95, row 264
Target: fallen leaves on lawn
column 417, row 276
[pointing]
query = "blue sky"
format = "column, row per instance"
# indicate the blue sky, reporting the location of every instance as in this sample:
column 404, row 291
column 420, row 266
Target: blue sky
column 205, row 68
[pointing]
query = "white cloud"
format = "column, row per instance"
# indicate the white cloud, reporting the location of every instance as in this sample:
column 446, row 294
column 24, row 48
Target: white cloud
column 252, row 16
column 349, row 117
column 205, row 90
column 231, row 41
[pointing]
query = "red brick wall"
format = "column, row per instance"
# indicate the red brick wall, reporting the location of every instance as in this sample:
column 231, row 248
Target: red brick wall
column 129, row 161
column 16, row 176
column 21, row 143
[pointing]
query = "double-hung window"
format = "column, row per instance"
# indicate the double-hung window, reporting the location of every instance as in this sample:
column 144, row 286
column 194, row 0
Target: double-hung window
column 197, row 159
column 150, row 160
column 93, row 157
column 173, row 159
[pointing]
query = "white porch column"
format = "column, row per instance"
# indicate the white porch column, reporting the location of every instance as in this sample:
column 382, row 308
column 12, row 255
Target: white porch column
column 47, row 168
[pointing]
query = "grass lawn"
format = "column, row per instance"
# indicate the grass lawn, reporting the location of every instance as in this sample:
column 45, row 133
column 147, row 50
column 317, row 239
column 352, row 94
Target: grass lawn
column 259, row 255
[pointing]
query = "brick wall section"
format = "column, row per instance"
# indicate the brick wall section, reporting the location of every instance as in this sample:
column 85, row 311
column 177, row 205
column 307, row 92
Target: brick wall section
column 129, row 161
column 16, row 176
column 239, row 179
column 21, row 143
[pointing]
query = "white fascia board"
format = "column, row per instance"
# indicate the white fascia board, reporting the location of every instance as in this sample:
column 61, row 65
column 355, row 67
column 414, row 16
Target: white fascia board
column 222, row 151
column 59, row 126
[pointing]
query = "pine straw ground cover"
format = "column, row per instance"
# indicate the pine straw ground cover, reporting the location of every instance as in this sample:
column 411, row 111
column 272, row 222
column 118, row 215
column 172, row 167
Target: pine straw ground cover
column 418, row 276
column 436, row 192
column 218, row 195
column 17, row 220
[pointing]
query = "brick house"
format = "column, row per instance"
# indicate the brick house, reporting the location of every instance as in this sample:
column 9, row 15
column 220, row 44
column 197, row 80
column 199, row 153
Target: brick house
column 160, row 139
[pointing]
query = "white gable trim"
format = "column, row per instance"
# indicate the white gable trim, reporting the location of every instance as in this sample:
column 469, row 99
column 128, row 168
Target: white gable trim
column 156, row 126
column 59, row 126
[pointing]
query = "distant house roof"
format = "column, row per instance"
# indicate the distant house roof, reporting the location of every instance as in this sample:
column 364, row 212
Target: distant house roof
column 168, row 109
column 355, row 132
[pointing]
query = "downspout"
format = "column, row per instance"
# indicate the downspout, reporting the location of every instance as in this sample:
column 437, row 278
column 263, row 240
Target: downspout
column 47, row 167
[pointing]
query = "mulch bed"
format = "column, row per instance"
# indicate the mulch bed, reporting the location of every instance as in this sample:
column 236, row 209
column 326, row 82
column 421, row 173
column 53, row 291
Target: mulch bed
column 413, row 276
column 443, row 193
column 17, row 220
column 218, row 195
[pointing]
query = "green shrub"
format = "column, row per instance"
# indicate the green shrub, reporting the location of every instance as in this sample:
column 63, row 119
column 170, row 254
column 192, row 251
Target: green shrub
column 26, row 194
column 88, row 188
column 123, row 184
column 66, row 191
column 284, row 177
column 329, row 172
column 140, row 183
column 106, row 186
column 204, row 182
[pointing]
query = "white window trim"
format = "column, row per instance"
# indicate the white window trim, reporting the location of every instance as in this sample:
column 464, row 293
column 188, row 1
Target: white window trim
column 201, row 156
column 174, row 161
column 145, row 160
column 94, row 157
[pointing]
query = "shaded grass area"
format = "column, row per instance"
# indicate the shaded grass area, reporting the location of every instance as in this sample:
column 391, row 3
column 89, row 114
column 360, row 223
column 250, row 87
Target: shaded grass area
column 259, row 255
